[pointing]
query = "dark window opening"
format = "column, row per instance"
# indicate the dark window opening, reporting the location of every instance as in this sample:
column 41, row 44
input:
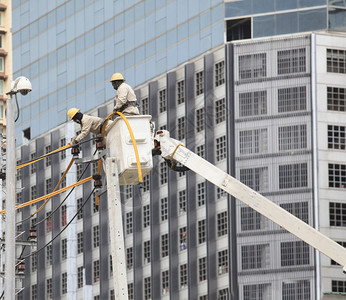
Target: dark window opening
column 239, row 29
column 27, row 134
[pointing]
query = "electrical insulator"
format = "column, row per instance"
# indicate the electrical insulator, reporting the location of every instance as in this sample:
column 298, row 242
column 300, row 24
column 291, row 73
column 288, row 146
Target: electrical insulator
column 97, row 181
column 32, row 234
column 21, row 268
column 75, row 151
column 100, row 145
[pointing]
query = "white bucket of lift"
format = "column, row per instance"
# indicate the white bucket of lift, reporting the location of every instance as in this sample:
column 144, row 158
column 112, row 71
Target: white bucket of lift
column 120, row 146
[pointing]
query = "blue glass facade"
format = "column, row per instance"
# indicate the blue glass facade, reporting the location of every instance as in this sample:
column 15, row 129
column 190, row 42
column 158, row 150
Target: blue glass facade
column 70, row 49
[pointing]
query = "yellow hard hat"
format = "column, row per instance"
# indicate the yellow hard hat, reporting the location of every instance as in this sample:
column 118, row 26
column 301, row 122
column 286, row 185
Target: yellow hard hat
column 72, row 112
column 117, row 76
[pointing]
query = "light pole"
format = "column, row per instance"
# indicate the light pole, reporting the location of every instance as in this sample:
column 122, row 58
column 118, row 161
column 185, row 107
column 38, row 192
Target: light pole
column 22, row 85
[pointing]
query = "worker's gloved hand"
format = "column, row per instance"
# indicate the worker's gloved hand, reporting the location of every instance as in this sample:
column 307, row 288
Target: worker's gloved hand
column 115, row 111
column 73, row 141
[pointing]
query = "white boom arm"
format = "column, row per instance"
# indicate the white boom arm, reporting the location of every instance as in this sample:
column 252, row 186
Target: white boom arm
column 171, row 147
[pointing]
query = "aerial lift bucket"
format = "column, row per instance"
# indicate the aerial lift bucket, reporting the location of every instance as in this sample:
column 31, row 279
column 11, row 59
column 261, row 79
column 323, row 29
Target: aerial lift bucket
column 121, row 147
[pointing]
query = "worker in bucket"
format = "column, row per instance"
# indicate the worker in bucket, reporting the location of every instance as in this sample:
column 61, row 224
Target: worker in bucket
column 87, row 123
column 125, row 100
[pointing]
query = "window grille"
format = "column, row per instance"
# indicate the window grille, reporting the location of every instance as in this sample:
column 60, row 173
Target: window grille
column 165, row 282
column 221, row 151
column 32, row 166
column 182, row 201
column 129, row 258
column 219, row 73
column 336, row 137
column 336, row 98
column 294, row 253
column 220, row 111
column 49, row 255
column 293, row 176
column 182, row 238
column 128, row 192
column 292, row 99
column 181, row 128
column 34, row 292
column 292, row 137
column 164, row 209
column 202, row 231
column 130, row 291
column 338, row 286
column 34, row 263
column 79, row 171
column 200, row 150
column 147, row 288
column 96, row 236
column 18, row 198
column 337, row 214
column 337, row 175
column 48, row 185
column 162, row 101
column 96, row 270
column 256, row 178
column 298, row 209
column 253, row 103
column 146, row 183
column 63, row 249
column 296, row 290
column 336, row 61
column 163, row 172
column 146, row 251
column 64, row 283
column 33, row 192
column 19, row 171
column 145, row 106
column 48, row 159
column 146, row 216
column 200, row 119
column 250, row 219
column 49, row 288
column 254, row 256
column 164, row 245
column 222, row 294
column 181, row 92
column 62, row 144
column 110, row 265
column 63, row 215
column 222, row 258
column 79, row 208
column 291, row 61
column 199, row 83
column 257, row 291
column 202, row 268
column 129, row 223
column 253, row 66
column 79, row 242
column 183, row 276
column 253, row 141
column 48, row 222
column 80, row 277
column 201, row 194
column 222, row 223
column 63, row 182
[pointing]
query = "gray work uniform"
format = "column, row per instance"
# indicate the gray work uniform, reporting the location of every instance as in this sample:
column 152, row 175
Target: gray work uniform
column 126, row 94
column 90, row 124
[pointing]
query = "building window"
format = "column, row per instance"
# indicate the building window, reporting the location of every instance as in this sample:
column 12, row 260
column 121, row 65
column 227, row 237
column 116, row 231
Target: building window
column 96, row 236
column 291, row 61
column 293, row 176
column 182, row 201
column 182, row 238
column 291, row 99
column 337, row 175
column 96, row 270
column 202, row 234
column 80, row 242
column 253, row 104
column 201, row 194
column 146, row 216
column 204, row 297
column 253, row 141
column 33, row 192
column 79, row 277
column 292, row 137
column 63, row 215
column 222, row 223
column 220, row 193
column 200, row 119
column 336, row 137
column 222, row 258
column 49, row 288
column 181, row 128
column 165, row 282
column 343, row 244
column 63, row 182
column 253, row 66
column 146, row 183
column 49, row 255
column 200, row 150
column 129, row 223
column 18, row 198
column 336, row 99
column 34, row 263
column 63, row 249
column 147, row 288
column 238, row 29
column 338, row 286
column 129, row 258
column 219, row 73
column 64, row 283
column 128, row 192
column 337, row 214
column 79, row 172
column 110, row 265
column 294, row 254
column 254, row 256
column 222, row 294
column 164, row 209
column 202, row 268
column 48, row 222
column 163, row 173
column 220, row 111
column 199, row 83
column 336, row 61
column 94, row 167
column 48, row 159
column 34, row 292
column 33, row 166
column 181, row 92
column 221, row 148
column 183, row 276
column 162, row 101
column 145, row 106
column 146, row 251
column 249, row 219
column 62, row 153
column 130, row 291
column 164, row 245
column 298, row 209
column 256, row 178
column 19, row 171
column 48, row 185
column 258, row 291
column 296, row 290
column 79, row 208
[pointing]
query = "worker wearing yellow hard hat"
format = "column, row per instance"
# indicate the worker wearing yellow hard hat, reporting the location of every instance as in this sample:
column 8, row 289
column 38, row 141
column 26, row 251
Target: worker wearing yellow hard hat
column 87, row 123
column 125, row 100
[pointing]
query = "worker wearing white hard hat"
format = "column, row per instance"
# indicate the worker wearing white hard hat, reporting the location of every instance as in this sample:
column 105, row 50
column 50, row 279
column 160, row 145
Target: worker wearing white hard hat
column 125, row 100
column 87, row 123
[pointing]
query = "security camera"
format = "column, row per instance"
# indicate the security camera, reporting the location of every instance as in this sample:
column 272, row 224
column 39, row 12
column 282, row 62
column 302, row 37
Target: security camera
column 23, row 85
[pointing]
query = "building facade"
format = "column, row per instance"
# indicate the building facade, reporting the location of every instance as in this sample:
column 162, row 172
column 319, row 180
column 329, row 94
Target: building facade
column 267, row 109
